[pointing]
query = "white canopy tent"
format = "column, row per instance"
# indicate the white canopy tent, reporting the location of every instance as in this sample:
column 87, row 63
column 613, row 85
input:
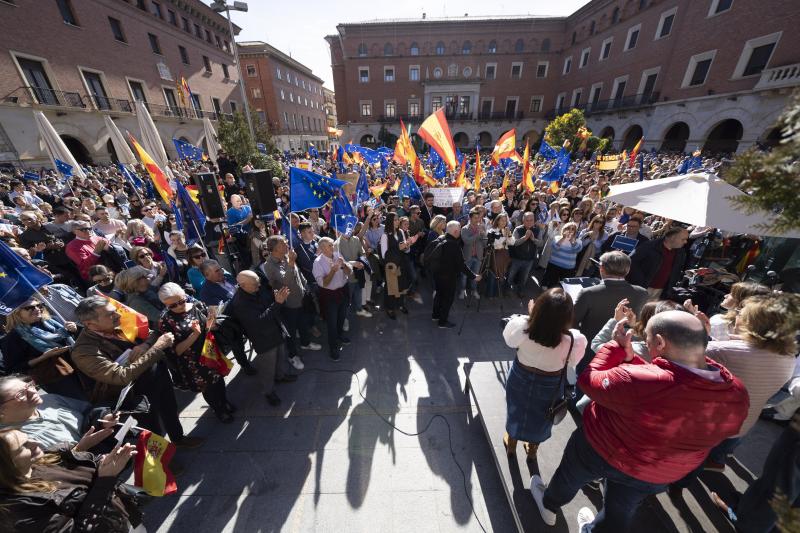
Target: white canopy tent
column 54, row 145
column 211, row 139
column 699, row 199
column 124, row 153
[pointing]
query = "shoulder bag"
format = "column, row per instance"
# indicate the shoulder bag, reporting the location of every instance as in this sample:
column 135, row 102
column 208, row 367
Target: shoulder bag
column 558, row 405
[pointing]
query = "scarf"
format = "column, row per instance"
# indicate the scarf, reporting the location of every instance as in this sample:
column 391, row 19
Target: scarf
column 45, row 335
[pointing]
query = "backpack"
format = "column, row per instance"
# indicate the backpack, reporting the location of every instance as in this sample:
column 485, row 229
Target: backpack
column 432, row 253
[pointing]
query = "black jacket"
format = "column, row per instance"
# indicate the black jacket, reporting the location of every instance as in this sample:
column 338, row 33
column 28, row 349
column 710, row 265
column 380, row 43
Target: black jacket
column 525, row 251
column 595, row 305
column 451, row 260
column 257, row 314
column 646, row 261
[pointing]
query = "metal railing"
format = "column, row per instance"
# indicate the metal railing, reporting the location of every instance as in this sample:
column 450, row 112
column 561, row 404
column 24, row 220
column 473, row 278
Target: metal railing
column 105, row 103
column 500, row 115
column 50, row 97
column 632, row 101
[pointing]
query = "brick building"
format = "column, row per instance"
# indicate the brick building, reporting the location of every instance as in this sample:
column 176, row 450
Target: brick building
column 707, row 73
column 330, row 114
column 286, row 95
column 80, row 60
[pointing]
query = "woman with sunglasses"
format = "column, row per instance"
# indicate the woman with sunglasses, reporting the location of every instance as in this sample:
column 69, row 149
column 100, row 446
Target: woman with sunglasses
column 190, row 321
column 103, row 279
column 38, row 346
column 140, row 295
column 195, row 257
column 143, row 257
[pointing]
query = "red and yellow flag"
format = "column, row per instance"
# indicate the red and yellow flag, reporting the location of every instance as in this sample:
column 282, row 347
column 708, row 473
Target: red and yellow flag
column 212, row 357
column 478, row 171
column 132, row 324
column 504, row 186
column 421, row 176
column 506, row 146
column 151, row 465
column 554, row 187
column 527, row 171
column 194, row 193
column 377, row 190
column 435, row 131
column 635, row 152
column 461, row 179
column 156, row 174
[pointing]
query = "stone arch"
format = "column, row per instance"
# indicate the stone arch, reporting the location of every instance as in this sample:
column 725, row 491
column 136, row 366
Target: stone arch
column 724, row 137
column 676, row 137
column 632, row 137
column 77, row 149
column 368, row 140
column 485, row 139
column 531, row 136
column 607, row 133
column 461, row 140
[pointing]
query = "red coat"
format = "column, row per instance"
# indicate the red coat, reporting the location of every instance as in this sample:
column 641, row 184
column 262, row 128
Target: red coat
column 82, row 254
column 657, row 421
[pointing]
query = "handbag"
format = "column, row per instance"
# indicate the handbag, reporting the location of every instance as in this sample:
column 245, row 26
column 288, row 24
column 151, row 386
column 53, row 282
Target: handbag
column 51, row 370
column 558, row 405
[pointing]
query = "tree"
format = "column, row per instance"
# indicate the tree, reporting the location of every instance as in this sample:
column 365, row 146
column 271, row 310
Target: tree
column 385, row 138
column 234, row 137
column 566, row 127
column 772, row 179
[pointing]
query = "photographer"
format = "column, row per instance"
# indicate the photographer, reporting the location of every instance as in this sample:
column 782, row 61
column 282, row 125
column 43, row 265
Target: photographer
column 522, row 250
column 473, row 235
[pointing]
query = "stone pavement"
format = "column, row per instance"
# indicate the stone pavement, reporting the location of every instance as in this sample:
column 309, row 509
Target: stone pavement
column 324, row 461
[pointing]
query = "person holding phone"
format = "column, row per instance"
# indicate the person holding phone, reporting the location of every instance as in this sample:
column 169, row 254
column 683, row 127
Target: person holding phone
column 563, row 256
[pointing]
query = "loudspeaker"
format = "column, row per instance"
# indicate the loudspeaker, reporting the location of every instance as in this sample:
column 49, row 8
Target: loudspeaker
column 258, row 184
column 210, row 200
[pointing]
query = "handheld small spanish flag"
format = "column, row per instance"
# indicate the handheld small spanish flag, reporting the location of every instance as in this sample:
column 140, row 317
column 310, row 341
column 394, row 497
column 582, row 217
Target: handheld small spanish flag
column 151, row 466
column 377, row 190
column 506, row 147
column 461, row 180
column 478, row 171
column 212, row 357
column 554, row 187
column 527, row 171
column 132, row 324
column 635, row 152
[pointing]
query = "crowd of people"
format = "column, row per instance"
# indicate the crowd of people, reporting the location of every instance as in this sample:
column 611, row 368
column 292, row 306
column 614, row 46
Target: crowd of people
column 270, row 289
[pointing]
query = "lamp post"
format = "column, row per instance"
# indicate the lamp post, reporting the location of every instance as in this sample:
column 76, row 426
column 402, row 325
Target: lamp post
column 219, row 6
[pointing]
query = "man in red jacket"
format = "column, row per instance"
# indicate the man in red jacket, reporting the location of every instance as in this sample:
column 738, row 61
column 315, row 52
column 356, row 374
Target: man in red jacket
column 649, row 424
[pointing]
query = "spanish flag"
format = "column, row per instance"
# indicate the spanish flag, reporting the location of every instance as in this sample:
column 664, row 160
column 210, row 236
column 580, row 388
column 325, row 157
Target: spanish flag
column 377, row 190
column 132, row 324
column 151, row 466
column 421, row 176
column 478, row 171
column 527, row 171
column 461, row 180
column 194, row 194
column 635, row 152
column 505, row 147
column 504, row 186
column 396, row 184
column 435, row 131
column 554, row 187
column 212, row 357
column 156, row 174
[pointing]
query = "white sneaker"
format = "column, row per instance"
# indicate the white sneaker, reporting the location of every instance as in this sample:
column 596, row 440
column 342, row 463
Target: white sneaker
column 462, row 295
column 313, row 346
column 297, row 363
column 585, row 517
column 346, row 326
column 364, row 313
column 417, row 298
column 476, row 295
column 537, row 490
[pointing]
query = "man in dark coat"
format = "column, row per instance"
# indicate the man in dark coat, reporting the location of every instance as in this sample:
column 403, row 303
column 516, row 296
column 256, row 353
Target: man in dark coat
column 447, row 266
column 657, row 265
column 631, row 231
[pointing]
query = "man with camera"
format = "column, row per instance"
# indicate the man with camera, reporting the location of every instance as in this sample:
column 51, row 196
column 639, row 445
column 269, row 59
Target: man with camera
column 447, row 262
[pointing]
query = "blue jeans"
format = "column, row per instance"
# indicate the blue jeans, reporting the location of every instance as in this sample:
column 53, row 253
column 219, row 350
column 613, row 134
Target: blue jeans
column 411, row 268
column 520, row 268
column 296, row 321
column 354, row 290
column 473, row 263
column 582, row 464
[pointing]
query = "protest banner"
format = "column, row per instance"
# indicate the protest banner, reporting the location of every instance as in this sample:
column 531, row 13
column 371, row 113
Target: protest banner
column 608, row 162
column 305, row 164
column 445, row 196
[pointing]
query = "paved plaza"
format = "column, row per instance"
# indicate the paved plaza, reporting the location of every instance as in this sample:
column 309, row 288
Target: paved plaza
column 325, row 462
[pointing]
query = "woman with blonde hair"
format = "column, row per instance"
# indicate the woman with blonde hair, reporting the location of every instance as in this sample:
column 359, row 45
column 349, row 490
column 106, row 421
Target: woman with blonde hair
column 722, row 324
column 143, row 256
column 138, row 233
column 140, row 295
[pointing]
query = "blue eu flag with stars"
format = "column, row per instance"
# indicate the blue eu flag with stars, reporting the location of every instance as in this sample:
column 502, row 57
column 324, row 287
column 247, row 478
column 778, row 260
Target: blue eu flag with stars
column 64, row 168
column 408, row 188
column 18, row 279
column 310, row 190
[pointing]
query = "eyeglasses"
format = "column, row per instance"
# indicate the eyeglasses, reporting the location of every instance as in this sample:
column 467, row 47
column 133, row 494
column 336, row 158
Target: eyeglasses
column 83, row 229
column 198, row 256
column 22, row 393
column 101, row 279
column 32, row 307
column 177, row 304
column 145, row 254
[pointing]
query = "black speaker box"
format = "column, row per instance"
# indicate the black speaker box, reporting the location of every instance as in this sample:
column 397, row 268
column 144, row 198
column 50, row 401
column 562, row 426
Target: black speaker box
column 258, row 184
column 210, row 200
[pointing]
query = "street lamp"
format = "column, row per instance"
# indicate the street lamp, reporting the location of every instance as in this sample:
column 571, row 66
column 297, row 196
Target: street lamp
column 219, row 6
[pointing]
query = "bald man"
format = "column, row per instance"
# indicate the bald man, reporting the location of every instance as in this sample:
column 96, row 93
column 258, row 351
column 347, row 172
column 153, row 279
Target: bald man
column 446, row 270
column 257, row 311
column 649, row 424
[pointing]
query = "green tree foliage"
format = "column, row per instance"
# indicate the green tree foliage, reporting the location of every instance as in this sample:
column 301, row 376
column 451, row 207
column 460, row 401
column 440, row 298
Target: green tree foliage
column 234, row 137
column 772, row 179
column 565, row 128
column 385, row 138
column 788, row 516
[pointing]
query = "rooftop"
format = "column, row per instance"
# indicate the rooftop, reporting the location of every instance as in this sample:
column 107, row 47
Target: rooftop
column 260, row 47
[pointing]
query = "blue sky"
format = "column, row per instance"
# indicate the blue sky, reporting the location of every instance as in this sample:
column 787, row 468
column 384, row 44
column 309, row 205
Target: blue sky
column 299, row 28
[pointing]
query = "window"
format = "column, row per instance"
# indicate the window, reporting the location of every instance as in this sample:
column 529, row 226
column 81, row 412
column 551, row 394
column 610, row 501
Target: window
column 436, row 103
column 388, row 74
column 184, row 55
column 96, row 90
column 413, row 108
column 591, row 28
column 519, row 46
column 154, row 46
column 605, row 49
column 363, row 74
column 366, row 109
column 594, row 96
column 491, row 71
column 278, row 73
column 719, row 6
column 256, row 92
column 390, row 109
column 576, row 97
column 516, row 71
column 362, row 50
column 698, row 68
column 305, row 103
column 452, row 70
column 615, row 16
column 185, row 23
column 585, row 57
column 67, row 14
column 642, row 4
column 437, row 72
column 574, row 36
column 648, row 83
column 560, row 100
column 286, row 118
column 619, row 88
column 172, row 17
column 169, row 98
column 37, row 78
column 251, row 71
column 196, row 102
column 414, row 49
column 155, row 7
column 197, row 31
column 219, row 42
column 137, row 90
column 756, row 55
column 208, row 37
column 116, row 29
column 283, row 95
column 440, row 48
column 291, row 97
column 633, row 37
column 545, row 45
column 541, row 69
column 665, row 23
column 536, row 104
column 141, row 5
column 388, row 49
column 567, row 65
column 303, row 84
column 207, row 64
column 413, row 73
column 466, row 48
column 232, row 103
column 225, row 72
column 464, row 105
column 492, row 48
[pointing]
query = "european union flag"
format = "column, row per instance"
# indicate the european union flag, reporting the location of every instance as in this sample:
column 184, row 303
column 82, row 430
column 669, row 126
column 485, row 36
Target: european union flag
column 690, row 163
column 434, row 158
column 18, row 279
column 547, row 151
column 191, row 216
column 30, row 176
column 261, row 147
column 362, row 189
column 312, row 151
column 132, row 178
column 342, row 217
column 385, row 151
column 459, row 156
column 310, row 190
column 560, row 167
column 64, row 168
column 187, row 150
column 408, row 188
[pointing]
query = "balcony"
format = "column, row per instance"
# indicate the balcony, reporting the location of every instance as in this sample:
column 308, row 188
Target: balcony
column 104, row 103
column 633, row 101
column 785, row 76
column 456, row 116
column 501, row 115
column 28, row 95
